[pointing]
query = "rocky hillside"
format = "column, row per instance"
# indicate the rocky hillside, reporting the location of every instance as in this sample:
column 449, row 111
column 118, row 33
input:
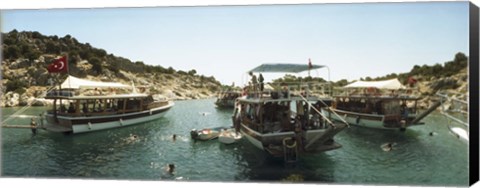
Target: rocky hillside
column 26, row 56
column 451, row 78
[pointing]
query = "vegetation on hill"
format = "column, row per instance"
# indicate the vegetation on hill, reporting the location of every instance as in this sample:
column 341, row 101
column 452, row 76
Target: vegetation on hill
column 26, row 56
column 424, row 72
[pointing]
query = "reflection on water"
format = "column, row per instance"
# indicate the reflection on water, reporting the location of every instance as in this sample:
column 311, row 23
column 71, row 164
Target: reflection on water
column 417, row 158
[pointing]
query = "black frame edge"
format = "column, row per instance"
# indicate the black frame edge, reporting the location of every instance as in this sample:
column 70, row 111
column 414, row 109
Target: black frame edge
column 473, row 92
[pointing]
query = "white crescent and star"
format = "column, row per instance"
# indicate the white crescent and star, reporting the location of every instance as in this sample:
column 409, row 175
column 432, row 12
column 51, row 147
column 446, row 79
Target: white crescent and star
column 62, row 65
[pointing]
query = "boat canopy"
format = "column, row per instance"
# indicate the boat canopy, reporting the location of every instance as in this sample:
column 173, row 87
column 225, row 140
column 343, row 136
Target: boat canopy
column 385, row 84
column 285, row 67
column 76, row 83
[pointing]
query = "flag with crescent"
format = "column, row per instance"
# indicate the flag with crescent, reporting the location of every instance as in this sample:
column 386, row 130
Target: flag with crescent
column 58, row 65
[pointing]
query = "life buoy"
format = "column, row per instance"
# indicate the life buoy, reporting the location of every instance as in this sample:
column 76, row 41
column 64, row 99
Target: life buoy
column 289, row 146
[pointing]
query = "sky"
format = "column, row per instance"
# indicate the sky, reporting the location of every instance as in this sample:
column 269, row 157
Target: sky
column 353, row 40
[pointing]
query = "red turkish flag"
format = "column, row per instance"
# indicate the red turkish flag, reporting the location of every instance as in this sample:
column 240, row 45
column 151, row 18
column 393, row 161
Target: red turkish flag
column 58, row 65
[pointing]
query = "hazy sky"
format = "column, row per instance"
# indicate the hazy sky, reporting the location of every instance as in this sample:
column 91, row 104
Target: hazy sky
column 353, row 40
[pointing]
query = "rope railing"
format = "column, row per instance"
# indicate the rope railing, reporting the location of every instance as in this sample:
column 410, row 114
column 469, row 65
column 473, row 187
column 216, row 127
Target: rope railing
column 23, row 109
column 324, row 117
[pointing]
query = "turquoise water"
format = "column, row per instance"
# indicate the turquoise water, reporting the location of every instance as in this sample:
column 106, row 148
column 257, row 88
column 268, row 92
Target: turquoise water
column 416, row 159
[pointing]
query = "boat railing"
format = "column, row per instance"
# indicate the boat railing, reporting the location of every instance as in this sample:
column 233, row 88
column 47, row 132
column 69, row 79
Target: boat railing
column 23, row 109
column 456, row 105
column 289, row 89
column 322, row 115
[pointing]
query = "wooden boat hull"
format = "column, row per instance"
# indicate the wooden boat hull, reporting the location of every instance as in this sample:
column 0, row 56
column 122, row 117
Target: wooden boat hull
column 225, row 103
column 319, row 139
column 367, row 120
column 96, row 123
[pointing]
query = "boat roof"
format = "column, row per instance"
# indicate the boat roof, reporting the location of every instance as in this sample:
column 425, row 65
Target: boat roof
column 285, row 67
column 381, row 97
column 119, row 96
column 384, row 84
column 76, row 83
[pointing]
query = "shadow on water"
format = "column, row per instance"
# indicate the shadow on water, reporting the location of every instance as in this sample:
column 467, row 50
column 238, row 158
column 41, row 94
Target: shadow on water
column 258, row 166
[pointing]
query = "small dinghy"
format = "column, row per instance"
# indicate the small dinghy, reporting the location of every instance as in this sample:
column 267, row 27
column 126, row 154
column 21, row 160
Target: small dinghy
column 206, row 134
column 229, row 136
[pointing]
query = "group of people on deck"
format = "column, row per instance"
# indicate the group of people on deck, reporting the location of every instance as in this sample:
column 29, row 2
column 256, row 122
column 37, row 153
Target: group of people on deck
column 255, row 85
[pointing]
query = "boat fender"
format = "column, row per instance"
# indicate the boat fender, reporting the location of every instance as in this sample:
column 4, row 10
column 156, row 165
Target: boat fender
column 358, row 119
column 289, row 146
column 121, row 122
column 89, row 125
column 150, row 111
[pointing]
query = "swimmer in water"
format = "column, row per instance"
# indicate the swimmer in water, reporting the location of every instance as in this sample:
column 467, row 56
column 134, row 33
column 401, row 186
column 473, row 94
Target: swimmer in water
column 174, row 137
column 387, row 146
column 170, row 168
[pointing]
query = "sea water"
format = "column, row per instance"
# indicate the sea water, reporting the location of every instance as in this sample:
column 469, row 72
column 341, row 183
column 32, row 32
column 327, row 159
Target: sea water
column 417, row 157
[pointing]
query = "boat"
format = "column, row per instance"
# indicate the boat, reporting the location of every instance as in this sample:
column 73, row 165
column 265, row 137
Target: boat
column 229, row 136
column 97, row 109
column 206, row 134
column 383, row 104
column 287, row 121
column 226, row 99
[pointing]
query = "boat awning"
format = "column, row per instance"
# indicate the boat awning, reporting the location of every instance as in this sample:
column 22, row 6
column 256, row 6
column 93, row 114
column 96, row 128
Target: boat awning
column 76, row 83
column 385, row 84
column 285, row 68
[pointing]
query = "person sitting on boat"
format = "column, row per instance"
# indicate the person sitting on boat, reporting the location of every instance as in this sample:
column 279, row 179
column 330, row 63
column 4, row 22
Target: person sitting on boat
column 284, row 90
column 85, row 108
column 63, row 109
column 71, row 108
column 404, row 110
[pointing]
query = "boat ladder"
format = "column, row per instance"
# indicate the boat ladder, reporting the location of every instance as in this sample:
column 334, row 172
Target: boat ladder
column 290, row 150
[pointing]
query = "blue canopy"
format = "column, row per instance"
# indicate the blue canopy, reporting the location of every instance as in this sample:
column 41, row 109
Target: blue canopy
column 285, row 67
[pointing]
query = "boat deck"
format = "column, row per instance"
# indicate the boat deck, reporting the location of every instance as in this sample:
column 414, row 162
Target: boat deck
column 56, row 128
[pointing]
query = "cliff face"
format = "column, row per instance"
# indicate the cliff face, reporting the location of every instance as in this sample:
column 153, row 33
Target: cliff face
column 456, row 86
column 26, row 56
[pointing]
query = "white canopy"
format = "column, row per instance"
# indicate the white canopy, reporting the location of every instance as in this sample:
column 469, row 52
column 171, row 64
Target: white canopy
column 385, row 84
column 76, row 83
column 285, row 67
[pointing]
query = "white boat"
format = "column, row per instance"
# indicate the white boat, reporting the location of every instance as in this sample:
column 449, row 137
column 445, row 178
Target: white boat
column 286, row 123
column 378, row 104
column 206, row 134
column 99, row 111
column 229, row 136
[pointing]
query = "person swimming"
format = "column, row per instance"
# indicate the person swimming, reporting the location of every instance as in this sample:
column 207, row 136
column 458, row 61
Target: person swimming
column 387, row 146
column 170, row 168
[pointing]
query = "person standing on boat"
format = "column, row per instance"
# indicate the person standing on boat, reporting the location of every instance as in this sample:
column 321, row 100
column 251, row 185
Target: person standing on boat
column 254, row 82
column 33, row 126
column 260, row 79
